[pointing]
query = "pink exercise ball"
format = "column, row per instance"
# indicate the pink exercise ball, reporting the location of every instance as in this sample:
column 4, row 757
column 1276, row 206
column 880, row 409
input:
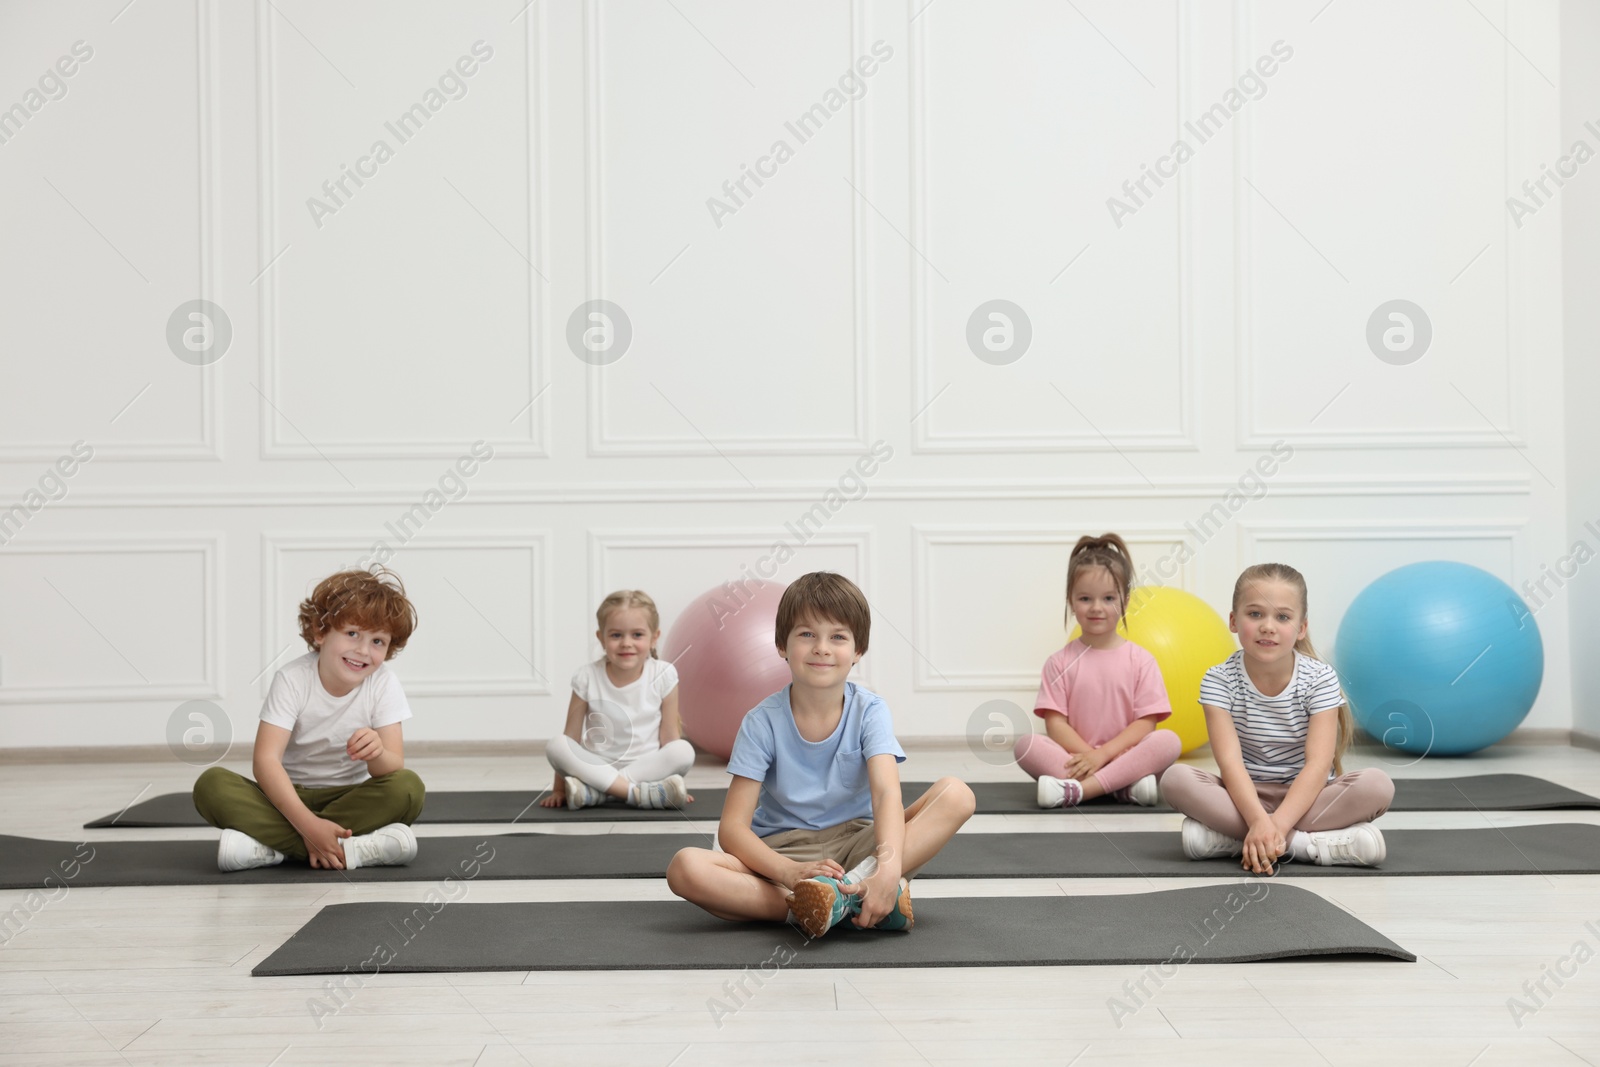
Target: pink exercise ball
column 727, row 662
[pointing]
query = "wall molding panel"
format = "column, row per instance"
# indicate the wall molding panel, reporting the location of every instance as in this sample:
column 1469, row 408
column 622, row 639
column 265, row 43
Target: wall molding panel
column 208, row 609
column 278, row 618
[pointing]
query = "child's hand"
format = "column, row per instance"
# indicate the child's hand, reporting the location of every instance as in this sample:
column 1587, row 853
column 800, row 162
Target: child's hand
column 322, row 844
column 365, row 745
column 1082, row 764
column 876, row 896
column 558, row 794
column 1262, row 847
column 815, row 869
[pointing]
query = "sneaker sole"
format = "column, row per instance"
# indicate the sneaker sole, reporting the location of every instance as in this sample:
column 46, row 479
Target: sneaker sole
column 812, row 907
column 903, row 905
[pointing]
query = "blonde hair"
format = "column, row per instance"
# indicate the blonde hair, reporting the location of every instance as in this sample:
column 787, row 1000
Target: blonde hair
column 1108, row 551
column 1282, row 572
column 630, row 598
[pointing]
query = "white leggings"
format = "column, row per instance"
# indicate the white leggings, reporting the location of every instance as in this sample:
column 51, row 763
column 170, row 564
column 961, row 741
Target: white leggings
column 570, row 758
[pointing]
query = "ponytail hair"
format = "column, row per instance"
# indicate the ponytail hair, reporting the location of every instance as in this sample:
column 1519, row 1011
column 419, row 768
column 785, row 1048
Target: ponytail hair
column 630, row 598
column 1110, row 552
column 1282, row 572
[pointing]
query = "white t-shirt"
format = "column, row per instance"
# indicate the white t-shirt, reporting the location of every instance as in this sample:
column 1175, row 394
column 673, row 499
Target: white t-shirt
column 623, row 723
column 320, row 723
column 1272, row 730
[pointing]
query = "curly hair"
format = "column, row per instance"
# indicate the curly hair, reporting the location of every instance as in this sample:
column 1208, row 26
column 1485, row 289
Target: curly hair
column 370, row 600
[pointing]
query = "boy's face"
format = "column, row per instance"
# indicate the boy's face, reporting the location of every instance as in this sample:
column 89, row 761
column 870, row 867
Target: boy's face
column 820, row 652
column 349, row 654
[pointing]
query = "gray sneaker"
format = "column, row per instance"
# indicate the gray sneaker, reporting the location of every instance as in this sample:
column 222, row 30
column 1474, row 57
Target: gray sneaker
column 580, row 795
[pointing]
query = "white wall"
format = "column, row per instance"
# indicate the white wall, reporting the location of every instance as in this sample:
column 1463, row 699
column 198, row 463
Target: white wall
column 1175, row 341
column 1580, row 248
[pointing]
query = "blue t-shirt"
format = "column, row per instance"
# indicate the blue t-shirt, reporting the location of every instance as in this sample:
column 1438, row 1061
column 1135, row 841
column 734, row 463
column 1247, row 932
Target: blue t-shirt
column 812, row 785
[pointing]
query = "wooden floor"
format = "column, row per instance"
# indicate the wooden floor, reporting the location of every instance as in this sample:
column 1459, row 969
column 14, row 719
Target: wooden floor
column 162, row 976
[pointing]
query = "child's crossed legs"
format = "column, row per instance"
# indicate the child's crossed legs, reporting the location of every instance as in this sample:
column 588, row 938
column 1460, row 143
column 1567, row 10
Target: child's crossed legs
column 726, row 888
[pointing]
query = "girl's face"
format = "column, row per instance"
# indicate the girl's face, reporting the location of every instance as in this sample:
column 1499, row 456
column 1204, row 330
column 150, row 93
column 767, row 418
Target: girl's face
column 1269, row 619
column 628, row 639
column 1096, row 602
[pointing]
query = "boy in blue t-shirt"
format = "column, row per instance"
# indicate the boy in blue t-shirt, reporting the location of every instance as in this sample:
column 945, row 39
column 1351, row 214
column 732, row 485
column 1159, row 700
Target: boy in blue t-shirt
column 813, row 822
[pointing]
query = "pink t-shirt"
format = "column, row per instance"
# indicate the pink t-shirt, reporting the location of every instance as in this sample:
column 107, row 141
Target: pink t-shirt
column 1102, row 690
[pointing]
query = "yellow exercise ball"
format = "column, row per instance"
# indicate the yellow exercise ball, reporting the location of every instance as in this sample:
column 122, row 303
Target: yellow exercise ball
column 1187, row 638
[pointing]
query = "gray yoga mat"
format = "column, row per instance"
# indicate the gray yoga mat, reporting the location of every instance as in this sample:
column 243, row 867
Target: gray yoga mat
column 1486, row 792
column 1234, row 923
column 1558, row 848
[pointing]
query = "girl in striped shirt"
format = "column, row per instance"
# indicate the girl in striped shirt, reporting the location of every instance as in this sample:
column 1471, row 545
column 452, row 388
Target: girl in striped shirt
column 1279, row 727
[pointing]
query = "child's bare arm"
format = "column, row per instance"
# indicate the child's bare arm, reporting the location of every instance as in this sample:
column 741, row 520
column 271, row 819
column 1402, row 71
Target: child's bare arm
column 1263, row 843
column 671, row 724
column 383, row 749
column 1082, row 764
column 577, row 711
column 1059, row 730
column 321, row 835
column 1322, row 735
column 889, row 825
column 740, row 841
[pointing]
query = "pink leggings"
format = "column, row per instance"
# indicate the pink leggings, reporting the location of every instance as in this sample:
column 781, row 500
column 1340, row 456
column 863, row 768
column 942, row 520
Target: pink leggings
column 1355, row 796
column 1039, row 756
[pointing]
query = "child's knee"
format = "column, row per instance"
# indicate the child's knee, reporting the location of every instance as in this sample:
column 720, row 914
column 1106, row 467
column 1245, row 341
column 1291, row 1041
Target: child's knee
column 1176, row 777
column 209, row 788
column 957, row 795
column 1378, row 785
column 408, row 784
column 410, row 781
column 1168, row 744
column 684, row 872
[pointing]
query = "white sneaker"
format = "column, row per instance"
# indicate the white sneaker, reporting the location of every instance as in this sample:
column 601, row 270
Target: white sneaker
column 1360, row 845
column 238, row 851
column 387, row 846
column 1201, row 842
column 580, row 795
column 670, row 792
column 1146, row 792
column 1059, row 792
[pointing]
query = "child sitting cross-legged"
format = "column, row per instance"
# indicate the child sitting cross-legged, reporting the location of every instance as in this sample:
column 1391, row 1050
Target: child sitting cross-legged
column 331, row 787
column 813, row 823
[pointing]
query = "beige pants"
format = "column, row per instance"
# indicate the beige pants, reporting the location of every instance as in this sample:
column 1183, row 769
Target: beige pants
column 846, row 844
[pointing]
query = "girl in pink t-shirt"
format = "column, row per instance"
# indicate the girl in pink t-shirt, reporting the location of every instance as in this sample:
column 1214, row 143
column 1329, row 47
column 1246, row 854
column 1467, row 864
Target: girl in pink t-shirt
column 1101, row 696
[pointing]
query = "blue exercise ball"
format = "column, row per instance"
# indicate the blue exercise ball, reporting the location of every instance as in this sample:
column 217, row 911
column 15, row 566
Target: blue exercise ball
column 1439, row 658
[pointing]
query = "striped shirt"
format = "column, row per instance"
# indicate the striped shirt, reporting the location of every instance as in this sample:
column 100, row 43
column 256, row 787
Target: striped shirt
column 1272, row 730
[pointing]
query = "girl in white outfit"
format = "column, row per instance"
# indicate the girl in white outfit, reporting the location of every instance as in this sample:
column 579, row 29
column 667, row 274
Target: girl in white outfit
column 623, row 737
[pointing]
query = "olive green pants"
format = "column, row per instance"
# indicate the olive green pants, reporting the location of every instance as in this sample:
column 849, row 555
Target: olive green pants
column 231, row 801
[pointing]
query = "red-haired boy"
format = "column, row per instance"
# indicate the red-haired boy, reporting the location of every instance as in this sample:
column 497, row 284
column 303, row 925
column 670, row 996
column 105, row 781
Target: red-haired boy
column 330, row 780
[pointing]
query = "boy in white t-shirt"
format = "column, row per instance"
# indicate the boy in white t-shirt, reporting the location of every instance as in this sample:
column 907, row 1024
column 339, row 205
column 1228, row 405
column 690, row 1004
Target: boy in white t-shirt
column 330, row 780
column 813, row 824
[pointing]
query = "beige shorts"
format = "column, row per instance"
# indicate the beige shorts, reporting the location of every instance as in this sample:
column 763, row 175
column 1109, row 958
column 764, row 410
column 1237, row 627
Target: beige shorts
column 846, row 844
